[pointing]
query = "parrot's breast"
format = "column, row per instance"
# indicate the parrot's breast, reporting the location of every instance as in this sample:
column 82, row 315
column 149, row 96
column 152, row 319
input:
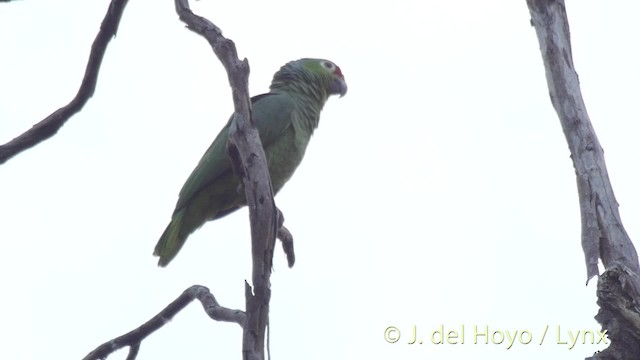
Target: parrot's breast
column 285, row 154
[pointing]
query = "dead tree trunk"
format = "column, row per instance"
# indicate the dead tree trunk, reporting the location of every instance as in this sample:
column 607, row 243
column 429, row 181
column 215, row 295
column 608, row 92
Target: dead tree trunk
column 603, row 235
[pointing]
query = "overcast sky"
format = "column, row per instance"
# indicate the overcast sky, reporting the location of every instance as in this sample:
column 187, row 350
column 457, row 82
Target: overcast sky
column 439, row 191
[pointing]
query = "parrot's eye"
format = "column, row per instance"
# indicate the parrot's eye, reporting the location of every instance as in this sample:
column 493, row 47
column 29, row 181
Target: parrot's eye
column 328, row 65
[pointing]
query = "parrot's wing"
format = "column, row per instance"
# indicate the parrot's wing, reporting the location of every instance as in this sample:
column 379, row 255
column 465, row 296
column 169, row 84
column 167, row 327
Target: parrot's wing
column 272, row 115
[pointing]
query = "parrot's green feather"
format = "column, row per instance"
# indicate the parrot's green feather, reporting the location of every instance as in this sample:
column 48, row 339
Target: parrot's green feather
column 271, row 114
column 285, row 118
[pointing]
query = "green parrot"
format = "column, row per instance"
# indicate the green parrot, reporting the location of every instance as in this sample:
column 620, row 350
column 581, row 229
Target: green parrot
column 285, row 117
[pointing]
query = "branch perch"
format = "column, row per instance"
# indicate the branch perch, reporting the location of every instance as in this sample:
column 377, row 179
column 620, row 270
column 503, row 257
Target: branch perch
column 134, row 338
column 52, row 123
column 249, row 162
column 603, row 235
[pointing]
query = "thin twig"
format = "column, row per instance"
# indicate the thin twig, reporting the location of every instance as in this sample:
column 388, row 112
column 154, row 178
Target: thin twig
column 52, row 123
column 134, row 338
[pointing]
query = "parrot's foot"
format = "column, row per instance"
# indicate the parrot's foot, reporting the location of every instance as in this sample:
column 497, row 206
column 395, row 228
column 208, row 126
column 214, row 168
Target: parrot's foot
column 287, row 244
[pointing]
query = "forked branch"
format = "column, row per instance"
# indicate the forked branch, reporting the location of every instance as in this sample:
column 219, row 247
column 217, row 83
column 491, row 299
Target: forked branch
column 133, row 339
column 249, row 162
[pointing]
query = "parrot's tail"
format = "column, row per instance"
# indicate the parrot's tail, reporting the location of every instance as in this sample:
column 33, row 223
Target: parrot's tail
column 171, row 240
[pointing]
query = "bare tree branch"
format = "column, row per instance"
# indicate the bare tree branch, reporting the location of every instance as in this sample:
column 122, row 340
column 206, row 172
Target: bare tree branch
column 52, row 123
column 603, row 235
column 134, row 338
column 249, row 162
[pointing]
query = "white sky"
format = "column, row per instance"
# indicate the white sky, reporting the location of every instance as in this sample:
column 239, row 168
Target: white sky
column 438, row 191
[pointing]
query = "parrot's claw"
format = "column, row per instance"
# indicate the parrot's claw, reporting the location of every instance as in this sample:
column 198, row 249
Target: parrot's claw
column 287, row 245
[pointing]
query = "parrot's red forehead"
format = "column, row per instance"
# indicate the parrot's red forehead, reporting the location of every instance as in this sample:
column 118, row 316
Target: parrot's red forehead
column 338, row 72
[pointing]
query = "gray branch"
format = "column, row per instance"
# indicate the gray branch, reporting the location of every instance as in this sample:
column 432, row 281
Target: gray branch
column 52, row 123
column 603, row 235
column 134, row 338
column 249, row 162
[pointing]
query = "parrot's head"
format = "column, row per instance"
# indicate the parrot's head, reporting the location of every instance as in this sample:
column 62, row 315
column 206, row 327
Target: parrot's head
column 328, row 73
column 318, row 74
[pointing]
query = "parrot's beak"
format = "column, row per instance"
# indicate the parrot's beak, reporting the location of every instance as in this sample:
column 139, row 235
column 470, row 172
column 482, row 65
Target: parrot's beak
column 338, row 86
